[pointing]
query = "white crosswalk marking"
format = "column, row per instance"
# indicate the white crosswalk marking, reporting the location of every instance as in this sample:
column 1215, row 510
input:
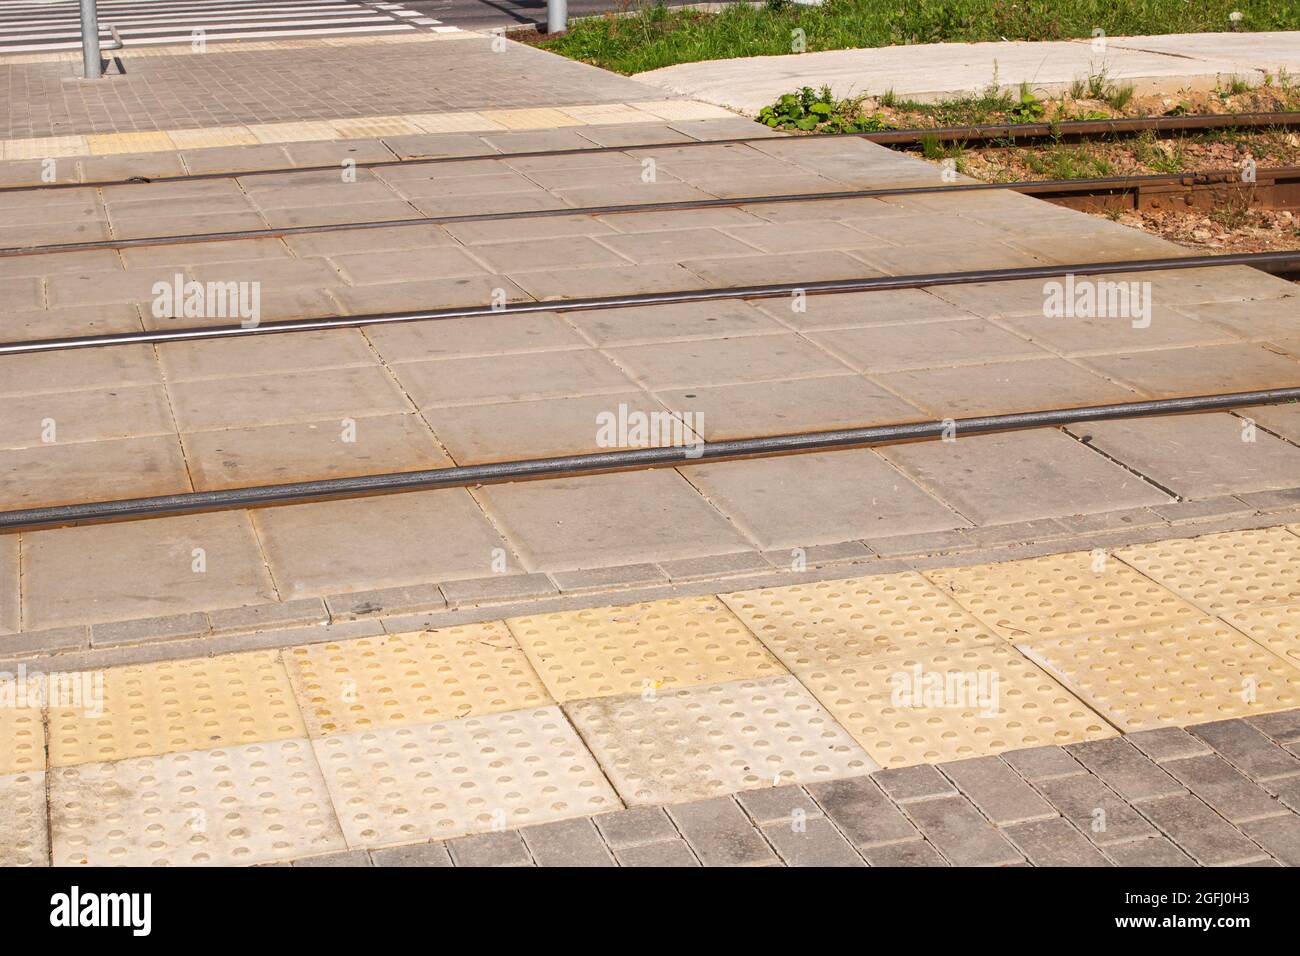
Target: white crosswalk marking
column 48, row 25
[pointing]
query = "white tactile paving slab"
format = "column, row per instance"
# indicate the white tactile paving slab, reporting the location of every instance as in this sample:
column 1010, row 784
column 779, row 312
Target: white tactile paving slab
column 231, row 806
column 433, row 781
column 24, row 839
column 715, row 739
column 1172, row 675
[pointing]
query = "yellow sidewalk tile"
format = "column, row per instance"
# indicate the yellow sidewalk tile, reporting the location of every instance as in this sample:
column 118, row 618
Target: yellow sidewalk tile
column 174, row 706
column 672, row 110
column 1220, row 573
column 110, row 144
column 416, row 678
column 641, row 648
column 47, row 147
column 467, row 122
column 24, row 828
column 22, row 738
column 208, row 138
column 1276, row 627
column 293, row 132
column 607, row 113
column 1171, row 675
column 810, row 625
column 1059, row 595
column 534, row 118
column 374, row 127
column 949, row 704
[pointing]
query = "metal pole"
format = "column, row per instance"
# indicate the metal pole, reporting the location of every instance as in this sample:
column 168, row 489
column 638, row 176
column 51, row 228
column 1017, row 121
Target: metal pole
column 93, row 64
column 557, row 16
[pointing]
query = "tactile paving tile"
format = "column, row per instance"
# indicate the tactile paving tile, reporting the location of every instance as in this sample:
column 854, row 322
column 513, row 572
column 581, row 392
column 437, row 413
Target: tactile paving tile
column 941, row 705
column 1060, row 595
column 1172, row 675
column 1233, row 571
column 720, row 738
column 22, row 739
column 412, row 678
column 1276, row 627
column 173, row 706
column 223, row 807
column 404, row 784
column 855, row 619
column 24, row 836
column 663, row 645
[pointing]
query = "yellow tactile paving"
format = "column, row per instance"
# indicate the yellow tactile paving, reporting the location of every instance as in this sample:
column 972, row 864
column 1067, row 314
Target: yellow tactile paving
column 1056, row 596
column 416, row 678
column 469, row 122
column 856, row 619
column 1172, row 675
column 374, row 127
column 641, row 648
column 949, row 704
column 675, row 110
column 533, row 118
column 293, row 132
column 22, row 737
column 1221, row 573
column 211, row 138
column 48, row 147
column 1276, row 627
column 109, row 144
column 176, row 706
column 605, row 113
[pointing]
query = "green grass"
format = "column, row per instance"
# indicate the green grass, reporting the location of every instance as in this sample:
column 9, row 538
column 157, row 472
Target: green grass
column 655, row 36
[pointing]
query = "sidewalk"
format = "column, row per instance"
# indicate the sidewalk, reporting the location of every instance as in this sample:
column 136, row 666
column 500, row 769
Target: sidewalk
column 1160, row 64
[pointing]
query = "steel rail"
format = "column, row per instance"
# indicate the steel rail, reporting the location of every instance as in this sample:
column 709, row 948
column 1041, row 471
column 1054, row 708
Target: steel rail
column 299, row 492
column 899, row 137
column 1267, row 261
column 1108, row 185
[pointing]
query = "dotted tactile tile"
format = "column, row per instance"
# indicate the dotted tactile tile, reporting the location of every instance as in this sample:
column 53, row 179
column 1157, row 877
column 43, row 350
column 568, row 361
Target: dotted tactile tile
column 235, row 805
column 1172, row 675
column 22, row 740
column 1060, row 595
column 664, row 645
column 24, row 839
column 1276, row 627
column 404, row 784
column 855, row 619
column 1233, row 571
column 174, row 706
column 412, row 678
column 704, row 741
column 949, row 704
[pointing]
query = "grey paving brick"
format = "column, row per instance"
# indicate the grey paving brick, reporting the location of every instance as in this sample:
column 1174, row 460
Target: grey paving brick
column 721, row 565
column 149, row 629
column 1042, row 763
column 862, row 812
column 667, row 853
column 997, row 790
column 777, row 804
column 26, row 643
column 1200, row 832
column 1112, row 520
column 1282, row 499
column 1094, row 809
column 1054, row 842
column 636, row 826
column 816, row 843
column 921, row 782
column 403, row 600
column 416, row 854
column 1018, row 532
column 1167, row 743
column 342, row 858
column 501, row 587
column 267, row 616
column 720, row 833
column 1230, row 793
column 498, row 848
column 1287, row 791
column 1248, row 749
column 1124, row 769
column 1279, row 835
column 1198, row 510
column 1283, row 726
column 911, row 853
column 598, row 579
column 931, row 542
column 1153, row 851
column 567, row 843
column 958, row 831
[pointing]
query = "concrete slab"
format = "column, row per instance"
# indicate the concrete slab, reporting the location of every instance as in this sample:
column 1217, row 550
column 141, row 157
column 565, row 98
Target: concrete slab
column 94, row 573
column 485, row 335
column 1168, row 373
column 41, row 475
column 515, row 377
column 900, row 347
column 732, row 361
column 663, row 323
column 995, row 479
column 24, row 832
column 802, row 500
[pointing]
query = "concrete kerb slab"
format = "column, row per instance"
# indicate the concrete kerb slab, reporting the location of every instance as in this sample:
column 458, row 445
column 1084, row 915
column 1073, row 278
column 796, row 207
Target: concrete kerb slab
column 1161, row 64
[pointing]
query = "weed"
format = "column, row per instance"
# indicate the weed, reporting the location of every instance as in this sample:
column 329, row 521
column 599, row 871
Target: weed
column 810, row 110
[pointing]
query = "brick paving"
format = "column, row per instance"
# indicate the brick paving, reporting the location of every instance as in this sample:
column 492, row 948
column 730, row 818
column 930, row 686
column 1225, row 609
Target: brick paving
column 229, row 86
column 990, row 811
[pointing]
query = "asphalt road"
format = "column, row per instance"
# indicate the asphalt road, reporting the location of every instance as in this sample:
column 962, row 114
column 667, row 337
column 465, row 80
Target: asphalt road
column 485, row 14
